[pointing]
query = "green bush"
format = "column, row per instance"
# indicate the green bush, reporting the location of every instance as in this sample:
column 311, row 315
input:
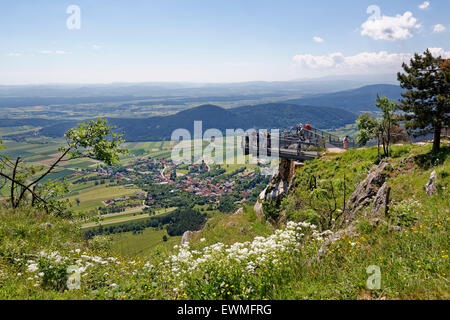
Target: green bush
column 53, row 273
column 307, row 215
column 100, row 242
column 404, row 213
column 271, row 210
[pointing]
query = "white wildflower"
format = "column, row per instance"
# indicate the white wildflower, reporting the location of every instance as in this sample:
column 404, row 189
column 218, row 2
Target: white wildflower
column 32, row 267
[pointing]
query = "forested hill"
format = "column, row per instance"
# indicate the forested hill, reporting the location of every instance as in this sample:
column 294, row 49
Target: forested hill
column 355, row 100
column 282, row 115
column 265, row 116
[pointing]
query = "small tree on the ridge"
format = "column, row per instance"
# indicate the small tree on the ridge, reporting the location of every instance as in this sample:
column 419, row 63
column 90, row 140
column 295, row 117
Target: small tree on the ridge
column 426, row 102
column 387, row 121
column 370, row 127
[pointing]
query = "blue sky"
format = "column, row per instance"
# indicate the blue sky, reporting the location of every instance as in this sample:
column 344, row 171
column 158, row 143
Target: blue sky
column 213, row 41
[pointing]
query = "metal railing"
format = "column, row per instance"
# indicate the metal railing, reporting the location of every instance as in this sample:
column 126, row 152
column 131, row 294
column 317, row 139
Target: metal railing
column 322, row 138
column 293, row 141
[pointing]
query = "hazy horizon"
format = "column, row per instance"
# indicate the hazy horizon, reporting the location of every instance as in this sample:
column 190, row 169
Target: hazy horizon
column 362, row 78
column 105, row 42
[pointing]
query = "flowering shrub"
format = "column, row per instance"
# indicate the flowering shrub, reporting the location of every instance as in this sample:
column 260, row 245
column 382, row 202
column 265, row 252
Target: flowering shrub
column 405, row 212
column 100, row 242
column 243, row 270
column 53, row 271
column 248, row 270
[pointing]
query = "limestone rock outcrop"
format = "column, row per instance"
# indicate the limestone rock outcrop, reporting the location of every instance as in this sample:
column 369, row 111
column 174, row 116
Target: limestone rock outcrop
column 281, row 181
column 258, row 208
column 372, row 190
column 279, row 185
column 379, row 203
column 187, row 236
column 430, row 187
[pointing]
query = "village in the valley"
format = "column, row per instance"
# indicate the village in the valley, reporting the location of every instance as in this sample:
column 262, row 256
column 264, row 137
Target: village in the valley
column 164, row 184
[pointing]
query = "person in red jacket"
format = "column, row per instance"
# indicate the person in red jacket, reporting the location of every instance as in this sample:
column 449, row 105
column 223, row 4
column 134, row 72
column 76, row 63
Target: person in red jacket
column 307, row 126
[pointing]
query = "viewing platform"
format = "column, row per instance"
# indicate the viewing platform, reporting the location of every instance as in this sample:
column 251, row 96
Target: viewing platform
column 294, row 144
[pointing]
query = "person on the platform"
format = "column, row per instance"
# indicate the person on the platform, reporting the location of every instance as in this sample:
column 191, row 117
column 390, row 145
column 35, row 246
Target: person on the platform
column 299, row 146
column 306, row 132
column 346, row 142
column 299, row 130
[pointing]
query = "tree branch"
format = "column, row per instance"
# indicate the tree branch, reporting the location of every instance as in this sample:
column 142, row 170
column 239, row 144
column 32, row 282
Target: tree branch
column 42, row 176
column 13, row 203
column 27, row 188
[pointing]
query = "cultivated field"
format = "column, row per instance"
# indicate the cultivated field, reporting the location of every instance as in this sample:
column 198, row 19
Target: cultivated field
column 145, row 244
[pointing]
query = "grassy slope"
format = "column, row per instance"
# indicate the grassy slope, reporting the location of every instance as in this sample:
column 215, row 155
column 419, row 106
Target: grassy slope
column 25, row 232
column 229, row 229
column 146, row 244
column 413, row 262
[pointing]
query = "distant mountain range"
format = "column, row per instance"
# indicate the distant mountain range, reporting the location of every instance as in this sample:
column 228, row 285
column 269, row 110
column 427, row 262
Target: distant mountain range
column 266, row 116
column 355, row 100
column 169, row 93
column 324, row 111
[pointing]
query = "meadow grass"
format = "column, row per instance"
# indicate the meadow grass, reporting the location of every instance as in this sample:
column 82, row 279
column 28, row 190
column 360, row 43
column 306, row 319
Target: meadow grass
column 146, row 244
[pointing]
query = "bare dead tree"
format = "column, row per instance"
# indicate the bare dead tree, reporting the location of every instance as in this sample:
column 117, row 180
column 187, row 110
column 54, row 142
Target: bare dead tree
column 326, row 205
column 386, row 206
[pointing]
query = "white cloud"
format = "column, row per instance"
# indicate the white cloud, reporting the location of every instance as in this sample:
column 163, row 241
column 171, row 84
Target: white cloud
column 14, row 54
column 96, row 46
column 364, row 62
column 318, row 62
column 318, row 39
column 387, row 28
column 438, row 28
column 58, row 52
column 424, row 5
column 440, row 52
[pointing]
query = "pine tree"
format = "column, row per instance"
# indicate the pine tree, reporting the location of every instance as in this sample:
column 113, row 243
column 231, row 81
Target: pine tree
column 426, row 100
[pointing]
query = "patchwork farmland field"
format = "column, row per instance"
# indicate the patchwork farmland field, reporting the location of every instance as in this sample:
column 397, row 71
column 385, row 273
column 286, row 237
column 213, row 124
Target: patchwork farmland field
column 123, row 217
column 92, row 197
